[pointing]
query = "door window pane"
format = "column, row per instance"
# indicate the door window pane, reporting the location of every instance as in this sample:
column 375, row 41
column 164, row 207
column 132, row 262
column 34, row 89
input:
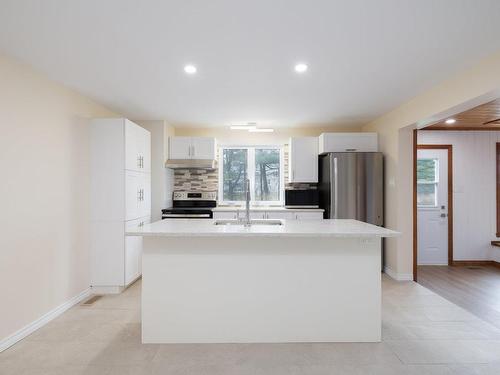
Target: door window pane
column 234, row 174
column 427, row 170
column 267, row 175
column 426, row 195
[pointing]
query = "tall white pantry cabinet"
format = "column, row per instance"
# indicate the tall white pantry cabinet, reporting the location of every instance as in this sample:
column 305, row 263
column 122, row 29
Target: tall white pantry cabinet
column 120, row 198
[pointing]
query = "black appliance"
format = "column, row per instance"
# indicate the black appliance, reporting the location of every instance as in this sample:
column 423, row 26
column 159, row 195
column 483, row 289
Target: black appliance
column 301, row 198
column 191, row 205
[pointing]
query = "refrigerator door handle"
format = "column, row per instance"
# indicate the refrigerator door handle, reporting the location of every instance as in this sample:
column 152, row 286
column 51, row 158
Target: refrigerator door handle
column 336, row 189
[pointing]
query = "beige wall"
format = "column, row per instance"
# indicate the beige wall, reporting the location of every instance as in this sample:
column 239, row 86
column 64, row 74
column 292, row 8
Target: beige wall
column 466, row 89
column 227, row 136
column 44, row 258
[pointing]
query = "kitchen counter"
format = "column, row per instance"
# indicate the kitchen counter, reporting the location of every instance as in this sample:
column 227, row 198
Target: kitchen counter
column 304, row 281
column 265, row 208
column 290, row 228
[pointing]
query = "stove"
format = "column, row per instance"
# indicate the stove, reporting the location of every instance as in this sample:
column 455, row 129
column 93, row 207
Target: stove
column 191, row 205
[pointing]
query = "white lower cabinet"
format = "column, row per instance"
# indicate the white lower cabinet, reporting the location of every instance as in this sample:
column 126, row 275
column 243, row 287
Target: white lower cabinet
column 303, row 215
column 281, row 215
column 276, row 215
column 133, row 250
column 226, row 215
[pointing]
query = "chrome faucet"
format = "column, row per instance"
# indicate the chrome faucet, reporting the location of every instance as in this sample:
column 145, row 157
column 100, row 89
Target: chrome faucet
column 247, row 222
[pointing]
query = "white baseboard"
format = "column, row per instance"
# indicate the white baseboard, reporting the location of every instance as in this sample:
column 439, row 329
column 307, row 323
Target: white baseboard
column 40, row 322
column 398, row 276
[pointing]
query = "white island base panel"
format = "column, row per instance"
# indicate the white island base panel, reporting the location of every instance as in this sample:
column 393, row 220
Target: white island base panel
column 261, row 289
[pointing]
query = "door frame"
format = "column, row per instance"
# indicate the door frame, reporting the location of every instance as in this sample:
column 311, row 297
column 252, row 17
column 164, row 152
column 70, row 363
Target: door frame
column 449, row 148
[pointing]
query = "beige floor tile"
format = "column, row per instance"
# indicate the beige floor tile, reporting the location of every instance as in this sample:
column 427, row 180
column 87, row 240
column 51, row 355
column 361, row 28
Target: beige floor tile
column 441, row 351
column 68, row 370
column 475, row 369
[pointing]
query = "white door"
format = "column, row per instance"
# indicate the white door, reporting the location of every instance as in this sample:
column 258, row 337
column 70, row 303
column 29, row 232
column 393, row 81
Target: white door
column 432, row 206
column 303, row 159
column 203, row 148
column 180, row 148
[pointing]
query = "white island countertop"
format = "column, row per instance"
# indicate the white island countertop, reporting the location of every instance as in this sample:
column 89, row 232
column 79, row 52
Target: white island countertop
column 290, row 228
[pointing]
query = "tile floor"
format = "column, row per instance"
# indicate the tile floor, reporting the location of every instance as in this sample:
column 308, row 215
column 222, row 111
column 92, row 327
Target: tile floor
column 422, row 334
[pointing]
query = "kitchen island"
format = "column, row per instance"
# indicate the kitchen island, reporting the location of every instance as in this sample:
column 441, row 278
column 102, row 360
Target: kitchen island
column 301, row 281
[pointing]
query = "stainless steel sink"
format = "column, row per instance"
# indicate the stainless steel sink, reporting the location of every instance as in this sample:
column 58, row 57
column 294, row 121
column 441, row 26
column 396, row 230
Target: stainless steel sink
column 252, row 222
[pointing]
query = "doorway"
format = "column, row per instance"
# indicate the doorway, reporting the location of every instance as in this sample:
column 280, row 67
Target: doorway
column 433, row 205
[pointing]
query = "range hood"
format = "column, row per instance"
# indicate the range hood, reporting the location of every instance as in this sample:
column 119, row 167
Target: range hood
column 191, row 164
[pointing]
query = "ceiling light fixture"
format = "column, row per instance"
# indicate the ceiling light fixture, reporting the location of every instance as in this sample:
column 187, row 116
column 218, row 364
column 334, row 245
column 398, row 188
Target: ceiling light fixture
column 242, row 127
column 261, row 130
column 190, row 69
column 451, row 121
column 301, row 68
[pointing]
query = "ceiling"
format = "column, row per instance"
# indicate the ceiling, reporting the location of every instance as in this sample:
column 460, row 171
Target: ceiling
column 482, row 117
column 364, row 57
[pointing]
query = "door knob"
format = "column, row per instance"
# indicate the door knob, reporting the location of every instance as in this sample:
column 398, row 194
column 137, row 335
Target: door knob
column 444, row 215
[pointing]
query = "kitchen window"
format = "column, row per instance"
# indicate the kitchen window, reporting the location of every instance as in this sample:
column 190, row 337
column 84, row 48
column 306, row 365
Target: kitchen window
column 427, row 181
column 262, row 165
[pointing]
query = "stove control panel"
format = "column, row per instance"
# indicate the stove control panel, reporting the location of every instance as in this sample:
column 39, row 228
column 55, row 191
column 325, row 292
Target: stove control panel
column 195, row 195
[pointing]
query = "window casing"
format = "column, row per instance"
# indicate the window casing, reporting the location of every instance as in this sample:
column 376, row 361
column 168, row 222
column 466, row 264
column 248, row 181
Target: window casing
column 263, row 165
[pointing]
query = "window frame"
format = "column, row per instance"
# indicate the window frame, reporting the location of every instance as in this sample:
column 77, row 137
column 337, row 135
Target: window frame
column 251, row 174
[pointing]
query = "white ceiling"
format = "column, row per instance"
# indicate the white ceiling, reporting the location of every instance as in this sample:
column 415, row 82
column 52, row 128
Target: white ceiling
column 364, row 57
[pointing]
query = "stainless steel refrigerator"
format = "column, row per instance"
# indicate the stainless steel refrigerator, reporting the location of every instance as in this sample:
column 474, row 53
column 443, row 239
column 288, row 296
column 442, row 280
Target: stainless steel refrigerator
column 351, row 186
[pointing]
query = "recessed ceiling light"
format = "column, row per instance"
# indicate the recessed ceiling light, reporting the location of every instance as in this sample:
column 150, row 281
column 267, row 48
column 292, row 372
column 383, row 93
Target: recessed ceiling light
column 190, row 69
column 242, row 127
column 261, row 130
column 451, row 121
column 301, row 68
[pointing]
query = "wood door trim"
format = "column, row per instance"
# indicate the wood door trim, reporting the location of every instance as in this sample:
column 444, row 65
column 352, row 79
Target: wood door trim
column 497, row 160
column 449, row 148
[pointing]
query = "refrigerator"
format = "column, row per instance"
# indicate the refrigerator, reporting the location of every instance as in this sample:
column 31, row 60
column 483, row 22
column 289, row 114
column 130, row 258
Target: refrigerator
column 351, row 186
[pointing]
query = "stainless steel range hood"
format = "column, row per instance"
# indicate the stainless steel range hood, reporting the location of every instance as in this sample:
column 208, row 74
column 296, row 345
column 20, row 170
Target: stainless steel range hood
column 191, row 164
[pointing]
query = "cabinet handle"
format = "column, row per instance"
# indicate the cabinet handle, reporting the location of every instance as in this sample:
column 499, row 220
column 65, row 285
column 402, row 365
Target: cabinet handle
column 138, row 195
column 138, row 161
column 192, row 151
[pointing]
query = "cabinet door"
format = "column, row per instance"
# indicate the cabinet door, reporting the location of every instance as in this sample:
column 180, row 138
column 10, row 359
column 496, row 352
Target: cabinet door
column 302, row 215
column 286, row 215
column 180, row 148
column 133, row 250
column 145, row 195
column 226, row 215
column 349, row 142
column 303, row 159
column 132, row 149
column 133, row 185
column 203, row 148
column 254, row 214
column 145, row 150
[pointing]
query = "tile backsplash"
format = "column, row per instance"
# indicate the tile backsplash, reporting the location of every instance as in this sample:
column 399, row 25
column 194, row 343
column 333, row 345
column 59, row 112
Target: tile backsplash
column 196, row 179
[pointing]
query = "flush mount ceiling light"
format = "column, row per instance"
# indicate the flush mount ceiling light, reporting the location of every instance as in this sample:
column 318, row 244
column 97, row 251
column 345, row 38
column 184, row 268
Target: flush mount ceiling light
column 242, row 127
column 301, row 68
column 190, row 69
column 451, row 121
column 261, row 130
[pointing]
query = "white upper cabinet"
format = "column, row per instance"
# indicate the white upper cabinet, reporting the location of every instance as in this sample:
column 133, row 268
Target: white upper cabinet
column 137, row 148
column 192, row 148
column 303, row 159
column 348, row 142
column 180, row 147
column 203, row 148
